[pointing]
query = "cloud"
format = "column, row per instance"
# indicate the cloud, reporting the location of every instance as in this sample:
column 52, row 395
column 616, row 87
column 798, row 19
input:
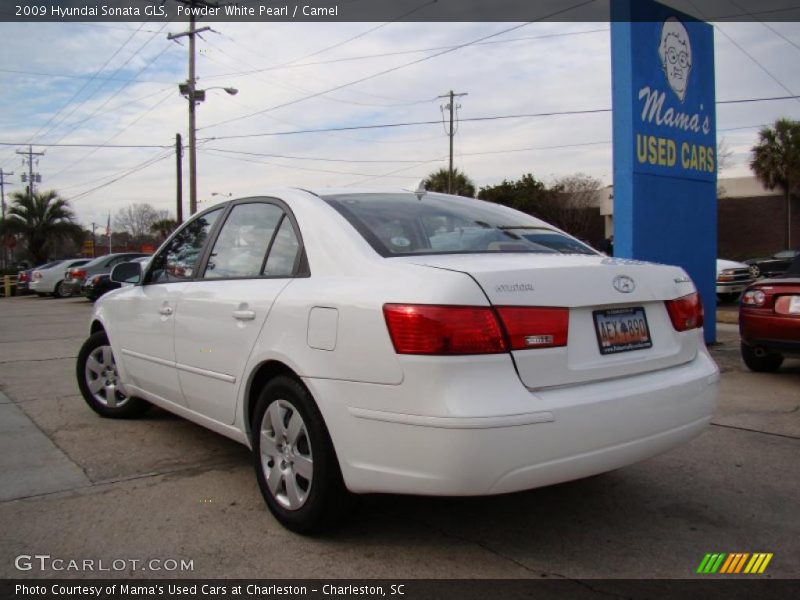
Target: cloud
column 550, row 66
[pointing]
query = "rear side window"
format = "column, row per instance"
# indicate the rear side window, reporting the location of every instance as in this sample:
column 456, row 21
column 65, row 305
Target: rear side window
column 283, row 254
column 404, row 225
column 178, row 260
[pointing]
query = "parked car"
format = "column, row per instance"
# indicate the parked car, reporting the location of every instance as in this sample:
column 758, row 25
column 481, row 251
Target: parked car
column 381, row 342
column 102, row 264
column 24, row 278
column 51, row 278
column 97, row 285
column 769, row 320
column 732, row 279
column 774, row 265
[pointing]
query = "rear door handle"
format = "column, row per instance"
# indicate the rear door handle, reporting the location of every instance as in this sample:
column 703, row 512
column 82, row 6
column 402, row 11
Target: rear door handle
column 244, row 315
column 165, row 310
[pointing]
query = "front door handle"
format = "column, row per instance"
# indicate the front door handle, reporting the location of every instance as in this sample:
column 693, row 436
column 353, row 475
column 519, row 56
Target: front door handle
column 165, row 310
column 244, row 315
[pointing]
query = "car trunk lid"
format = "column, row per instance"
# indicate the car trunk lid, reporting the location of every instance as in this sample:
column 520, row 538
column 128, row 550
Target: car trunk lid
column 598, row 291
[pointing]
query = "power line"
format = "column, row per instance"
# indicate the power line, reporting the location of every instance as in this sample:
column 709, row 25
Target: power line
column 74, row 76
column 745, row 52
column 772, row 29
column 484, row 118
column 89, row 145
column 338, row 44
column 397, row 68
column 401, row 52
column 75, row 125
column 166, row 97
column 84, row 86
column 293, row 167
column 311, row 158
column 275, row 81
column 126, row 174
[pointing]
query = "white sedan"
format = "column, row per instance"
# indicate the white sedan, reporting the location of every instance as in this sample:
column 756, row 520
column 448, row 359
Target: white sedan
column 402, row 342
column 50, row 280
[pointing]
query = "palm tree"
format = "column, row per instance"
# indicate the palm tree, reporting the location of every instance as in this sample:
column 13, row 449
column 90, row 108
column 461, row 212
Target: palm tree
column 163, row 227
column 776, row 163
column 462, row 185
column 42, row 219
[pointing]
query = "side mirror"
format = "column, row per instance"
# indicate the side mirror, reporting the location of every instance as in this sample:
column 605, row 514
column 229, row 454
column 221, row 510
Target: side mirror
column 129, row 272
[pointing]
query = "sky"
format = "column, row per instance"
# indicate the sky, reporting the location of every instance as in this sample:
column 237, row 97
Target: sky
column 116, row 84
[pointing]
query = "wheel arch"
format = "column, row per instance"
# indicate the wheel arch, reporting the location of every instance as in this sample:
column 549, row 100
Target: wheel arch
column 96, row 326
column 260, row 376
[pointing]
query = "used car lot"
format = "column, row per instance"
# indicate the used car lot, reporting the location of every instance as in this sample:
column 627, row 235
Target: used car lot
column 162, row 486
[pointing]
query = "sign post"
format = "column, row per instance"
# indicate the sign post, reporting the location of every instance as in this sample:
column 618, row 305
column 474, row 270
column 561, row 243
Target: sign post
column 665, row 163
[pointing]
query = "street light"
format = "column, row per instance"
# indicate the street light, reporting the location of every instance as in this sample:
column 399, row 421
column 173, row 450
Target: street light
column 195, row 97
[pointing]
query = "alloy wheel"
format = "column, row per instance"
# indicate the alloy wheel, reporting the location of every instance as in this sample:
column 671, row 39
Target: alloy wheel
column 286, row 457
column 102, row 378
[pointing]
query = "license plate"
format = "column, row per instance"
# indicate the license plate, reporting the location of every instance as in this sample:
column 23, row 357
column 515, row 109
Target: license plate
column 622, row 330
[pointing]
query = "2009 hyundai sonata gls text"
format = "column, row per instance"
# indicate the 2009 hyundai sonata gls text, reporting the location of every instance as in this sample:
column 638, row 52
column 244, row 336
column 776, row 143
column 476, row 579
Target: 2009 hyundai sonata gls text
column 403, row 342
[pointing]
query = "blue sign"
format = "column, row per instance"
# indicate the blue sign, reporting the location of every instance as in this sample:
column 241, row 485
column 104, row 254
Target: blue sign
column 665, row 163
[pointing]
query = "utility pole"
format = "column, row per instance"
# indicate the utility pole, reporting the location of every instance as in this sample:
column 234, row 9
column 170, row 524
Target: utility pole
column 3, row 175
column 94, row 249
column 452, row 107
column 193, row 95
column 32, row 177
column 179, row 180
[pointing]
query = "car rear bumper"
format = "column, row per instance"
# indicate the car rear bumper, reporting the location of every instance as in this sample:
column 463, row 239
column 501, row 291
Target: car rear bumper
column 522, row 440
column 780, row 333
column 732, row 287
column 73, row 286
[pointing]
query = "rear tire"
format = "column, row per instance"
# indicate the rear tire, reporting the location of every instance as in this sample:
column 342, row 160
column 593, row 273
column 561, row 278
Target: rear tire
column 98, row 381
column 768, row 363
column 296, row 465
column 61, row 291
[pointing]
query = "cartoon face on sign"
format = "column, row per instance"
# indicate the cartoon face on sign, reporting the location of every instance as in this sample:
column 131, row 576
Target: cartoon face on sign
column 676, row 55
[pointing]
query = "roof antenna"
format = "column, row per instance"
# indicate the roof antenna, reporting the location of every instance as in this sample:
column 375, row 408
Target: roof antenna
column 420, row 191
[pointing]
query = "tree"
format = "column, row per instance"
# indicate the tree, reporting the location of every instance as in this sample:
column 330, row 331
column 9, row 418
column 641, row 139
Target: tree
column 527, row 194
column 462, row 185
column 775, row 160
column 570, row 203
column 44, row 220
column 163, row 227
column 574, row 206
column 137, row 219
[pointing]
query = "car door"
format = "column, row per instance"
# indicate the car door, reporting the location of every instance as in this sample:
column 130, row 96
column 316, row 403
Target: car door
column 256, row 253
column 145, row 315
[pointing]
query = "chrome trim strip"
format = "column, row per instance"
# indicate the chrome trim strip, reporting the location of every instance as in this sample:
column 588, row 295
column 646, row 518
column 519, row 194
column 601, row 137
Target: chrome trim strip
column 180, row 367
column 206, row 373
column 159, row 361
column 453, row 422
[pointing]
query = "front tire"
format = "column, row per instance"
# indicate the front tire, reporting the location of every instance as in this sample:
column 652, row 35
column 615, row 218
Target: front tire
column 296, row 465
column 768, row 363
column 98, row 381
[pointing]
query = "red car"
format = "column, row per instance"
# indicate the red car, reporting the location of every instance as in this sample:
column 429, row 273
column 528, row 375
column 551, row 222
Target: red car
column 769, row 320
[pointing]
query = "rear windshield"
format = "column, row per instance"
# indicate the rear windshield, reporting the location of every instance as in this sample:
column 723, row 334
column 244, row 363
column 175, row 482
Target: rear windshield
column 403, row 225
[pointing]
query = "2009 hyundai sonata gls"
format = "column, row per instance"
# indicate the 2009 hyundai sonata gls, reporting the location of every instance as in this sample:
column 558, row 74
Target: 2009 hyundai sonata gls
column 402, row 343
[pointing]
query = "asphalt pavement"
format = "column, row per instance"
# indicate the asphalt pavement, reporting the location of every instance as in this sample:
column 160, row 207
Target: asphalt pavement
column 75, row 486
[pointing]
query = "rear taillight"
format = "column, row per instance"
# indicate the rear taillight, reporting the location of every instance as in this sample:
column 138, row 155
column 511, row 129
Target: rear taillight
column 534, row 327
column 96, row 279
column 77, row 274
column 23, row 276
column 686, row 312
column 37, row 275
column 443, row 330
column 754, row 298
